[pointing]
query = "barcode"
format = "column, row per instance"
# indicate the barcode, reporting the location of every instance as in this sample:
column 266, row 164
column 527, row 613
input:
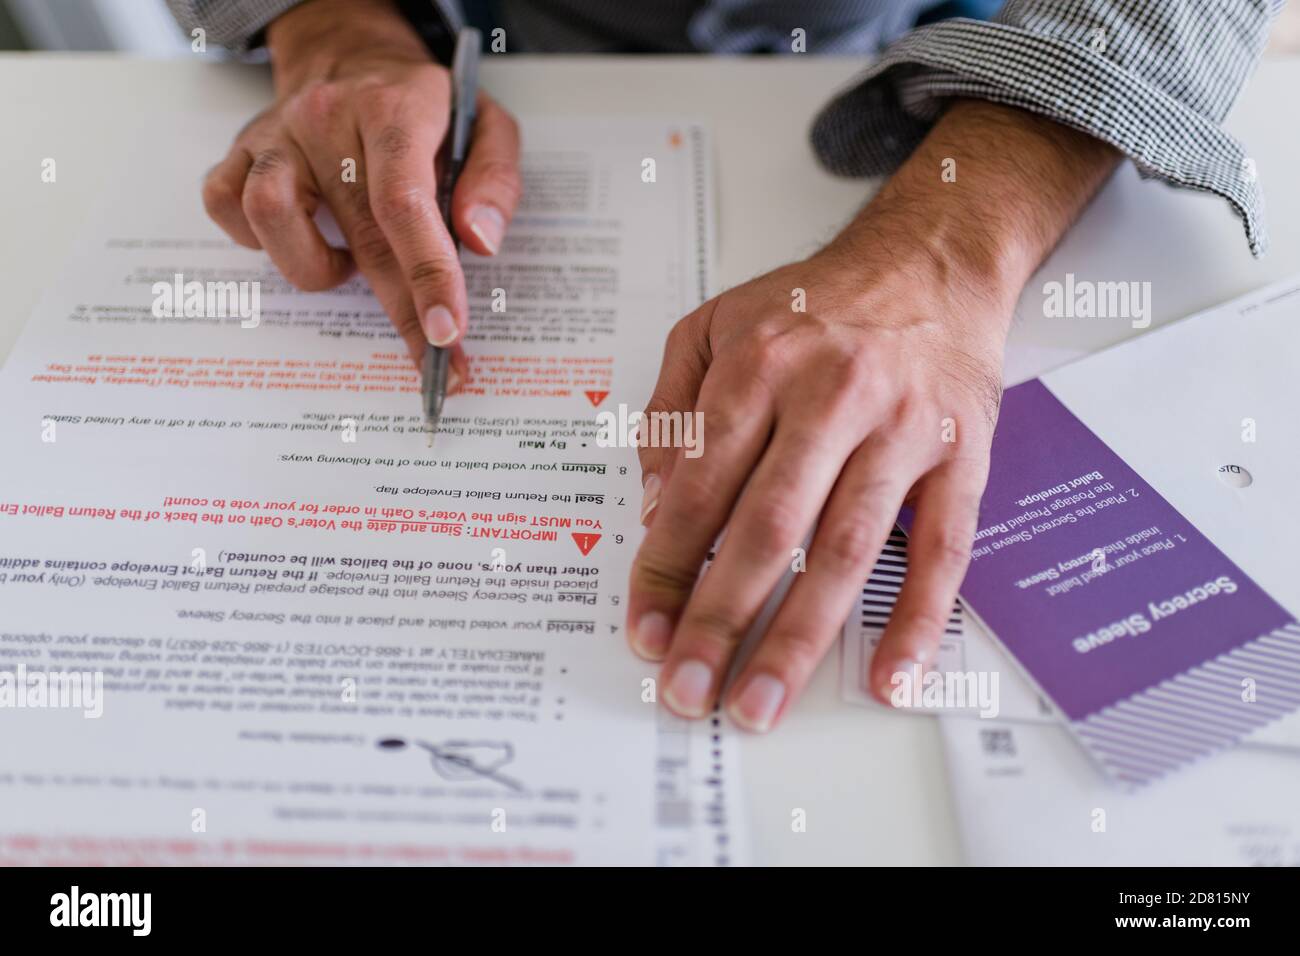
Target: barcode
column 880, row 593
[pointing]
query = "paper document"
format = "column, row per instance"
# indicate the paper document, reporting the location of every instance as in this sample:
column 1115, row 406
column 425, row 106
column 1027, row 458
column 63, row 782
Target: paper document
column 1028, row 795
column 318, row 639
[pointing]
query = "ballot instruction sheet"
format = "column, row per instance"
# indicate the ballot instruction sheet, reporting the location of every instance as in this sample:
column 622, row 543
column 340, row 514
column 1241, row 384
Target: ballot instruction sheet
column 303, row 635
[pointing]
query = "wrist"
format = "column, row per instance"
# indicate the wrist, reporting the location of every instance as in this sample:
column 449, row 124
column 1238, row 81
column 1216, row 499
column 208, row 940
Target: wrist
column 310, row 40
column 983, row 199
column 945, row 256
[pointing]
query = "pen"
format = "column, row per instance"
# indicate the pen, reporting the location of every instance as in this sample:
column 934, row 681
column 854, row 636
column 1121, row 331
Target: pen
column 455, row 146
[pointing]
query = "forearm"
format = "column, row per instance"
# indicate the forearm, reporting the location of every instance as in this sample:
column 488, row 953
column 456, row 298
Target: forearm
column 985, row 197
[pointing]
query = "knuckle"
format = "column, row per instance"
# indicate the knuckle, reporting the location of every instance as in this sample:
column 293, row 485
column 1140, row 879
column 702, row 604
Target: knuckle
column 656, row 575
column 720, row 424
column 220, row 197
column 432, row 75
column 883, row 488
column 393, row 141
column 319, row 103
column 949, row 547
column 370, row 245
column 681, row 343
column 680, row 333
column 689, row 334
column 913, row 416
column 265, row 205
column 428, row 272
column 692, row 489
column 851, row 543
column 845, row 368
column 658, row 404
column 767, row 349
column 772, row 529
column 870, row 385
column 266, row 161
column 799, row 650
column 356, row 205
column 402, row 204
column 717, row 624
column 966, row 502
column 385, row 98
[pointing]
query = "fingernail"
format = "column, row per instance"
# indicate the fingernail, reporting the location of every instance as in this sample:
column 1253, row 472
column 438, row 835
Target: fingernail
column 453, row 381
column 756, row 707
column 650, row 496
column 688, row 692
column 488, row 224
column 653, row 634
column 439, row 326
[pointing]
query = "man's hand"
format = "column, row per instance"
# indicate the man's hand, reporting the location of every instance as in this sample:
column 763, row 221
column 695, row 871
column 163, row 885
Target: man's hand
column 884, row 391
column 356, row 91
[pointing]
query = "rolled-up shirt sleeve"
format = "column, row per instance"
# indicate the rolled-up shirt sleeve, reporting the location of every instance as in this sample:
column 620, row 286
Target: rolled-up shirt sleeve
column 239, row 25
column 1154, row 78
column 236, row 25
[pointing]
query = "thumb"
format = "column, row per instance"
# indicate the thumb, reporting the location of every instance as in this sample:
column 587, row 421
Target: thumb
column 490, row 186
column 667, row 421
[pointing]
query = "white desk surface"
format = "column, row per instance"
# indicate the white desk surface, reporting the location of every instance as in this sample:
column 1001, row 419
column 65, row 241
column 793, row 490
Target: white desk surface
column 872, row 783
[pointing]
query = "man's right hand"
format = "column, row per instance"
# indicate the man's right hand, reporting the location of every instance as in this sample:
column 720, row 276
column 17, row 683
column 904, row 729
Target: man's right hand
column 356, row 90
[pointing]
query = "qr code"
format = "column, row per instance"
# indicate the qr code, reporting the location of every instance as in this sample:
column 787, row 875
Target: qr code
column 998, row 743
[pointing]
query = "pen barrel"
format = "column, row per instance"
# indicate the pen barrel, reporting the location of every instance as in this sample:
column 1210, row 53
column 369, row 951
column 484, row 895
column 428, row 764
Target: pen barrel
column 451, row 169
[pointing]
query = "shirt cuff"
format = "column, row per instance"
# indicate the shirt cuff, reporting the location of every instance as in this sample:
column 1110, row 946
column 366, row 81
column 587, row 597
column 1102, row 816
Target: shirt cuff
column 237, row 25
column 240, row 25
column 870, row 128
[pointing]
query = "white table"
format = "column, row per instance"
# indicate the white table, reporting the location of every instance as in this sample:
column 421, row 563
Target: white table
column 872, row 784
